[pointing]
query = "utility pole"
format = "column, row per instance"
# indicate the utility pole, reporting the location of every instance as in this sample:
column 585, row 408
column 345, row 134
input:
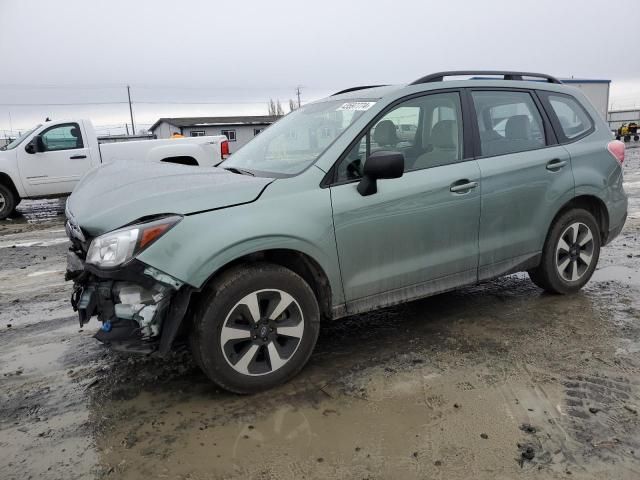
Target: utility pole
column 298, row 94
column 127, row 127
column 133, row 127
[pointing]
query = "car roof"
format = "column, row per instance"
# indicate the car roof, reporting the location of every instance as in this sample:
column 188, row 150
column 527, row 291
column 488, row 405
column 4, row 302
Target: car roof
column 377, row 93
column 437, row 81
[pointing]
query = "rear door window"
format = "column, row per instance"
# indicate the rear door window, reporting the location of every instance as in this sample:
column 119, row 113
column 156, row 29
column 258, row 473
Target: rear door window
column 572, row 118
column 508, row 122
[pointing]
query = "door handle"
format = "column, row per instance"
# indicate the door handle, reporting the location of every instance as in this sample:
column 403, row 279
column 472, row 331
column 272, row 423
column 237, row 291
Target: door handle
column 556, row 164
column 77, row 157
column 463, row 186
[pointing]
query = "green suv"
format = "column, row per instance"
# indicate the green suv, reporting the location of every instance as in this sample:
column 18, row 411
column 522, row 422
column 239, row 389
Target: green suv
column 371, row 197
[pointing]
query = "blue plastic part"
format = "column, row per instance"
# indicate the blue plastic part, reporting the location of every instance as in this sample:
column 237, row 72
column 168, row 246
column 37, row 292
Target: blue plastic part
column 106, row 327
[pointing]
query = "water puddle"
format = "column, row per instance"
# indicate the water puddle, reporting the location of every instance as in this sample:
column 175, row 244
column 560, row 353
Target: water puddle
column 617, row 273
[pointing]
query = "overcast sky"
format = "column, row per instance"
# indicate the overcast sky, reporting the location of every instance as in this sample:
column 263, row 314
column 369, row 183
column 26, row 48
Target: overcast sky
column 234, row 56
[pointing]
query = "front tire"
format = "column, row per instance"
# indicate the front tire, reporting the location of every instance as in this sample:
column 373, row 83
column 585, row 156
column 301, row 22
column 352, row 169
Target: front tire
column 255, row 328
column 7, row 202
column 570, row 254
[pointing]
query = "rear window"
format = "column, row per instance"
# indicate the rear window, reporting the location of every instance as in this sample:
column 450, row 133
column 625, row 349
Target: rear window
column 573, row 120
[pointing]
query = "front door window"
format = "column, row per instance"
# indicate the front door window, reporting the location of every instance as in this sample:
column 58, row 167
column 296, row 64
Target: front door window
column 427, row 130
column 62, row 137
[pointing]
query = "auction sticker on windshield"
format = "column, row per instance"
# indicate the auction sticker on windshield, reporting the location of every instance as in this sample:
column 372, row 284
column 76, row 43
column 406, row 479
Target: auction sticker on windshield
column 356, row 106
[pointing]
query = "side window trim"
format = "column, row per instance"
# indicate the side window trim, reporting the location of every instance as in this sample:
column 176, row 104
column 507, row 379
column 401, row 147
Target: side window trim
column 550, row 136
column 330, row 179
column 555, row 122
column 474, row 132
column 549, row 132
column 73, row 124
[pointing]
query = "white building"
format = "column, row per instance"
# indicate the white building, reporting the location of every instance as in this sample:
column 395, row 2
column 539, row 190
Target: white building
column 617, row 117
column 239, row 130
column 597, row 91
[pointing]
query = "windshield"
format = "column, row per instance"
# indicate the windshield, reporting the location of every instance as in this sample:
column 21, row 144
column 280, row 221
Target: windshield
column 297, row 140
column 20, row 139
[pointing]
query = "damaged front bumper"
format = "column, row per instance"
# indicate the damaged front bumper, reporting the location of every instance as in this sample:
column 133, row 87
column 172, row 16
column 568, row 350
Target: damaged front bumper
column 140, row 307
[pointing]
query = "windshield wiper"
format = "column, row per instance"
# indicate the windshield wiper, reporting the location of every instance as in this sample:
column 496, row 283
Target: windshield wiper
column 240, row 171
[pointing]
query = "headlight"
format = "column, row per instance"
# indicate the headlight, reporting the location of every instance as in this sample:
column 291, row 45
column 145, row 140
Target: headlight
column 115, row 248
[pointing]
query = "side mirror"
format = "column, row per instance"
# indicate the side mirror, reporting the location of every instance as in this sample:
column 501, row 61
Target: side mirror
column 378, row 166
column 35, row 145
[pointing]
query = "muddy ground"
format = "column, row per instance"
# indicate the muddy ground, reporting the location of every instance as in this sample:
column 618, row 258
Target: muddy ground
column 494, row 381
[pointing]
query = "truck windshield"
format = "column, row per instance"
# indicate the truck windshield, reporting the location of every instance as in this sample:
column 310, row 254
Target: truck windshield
column 297, row 140
column 20, row 139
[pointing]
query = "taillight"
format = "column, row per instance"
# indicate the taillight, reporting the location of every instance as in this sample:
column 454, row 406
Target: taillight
column 616, row 148
column 224, row 149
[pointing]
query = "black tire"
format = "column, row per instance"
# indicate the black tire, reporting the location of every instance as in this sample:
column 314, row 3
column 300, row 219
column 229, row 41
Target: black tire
column 636, row 137
column 7, row 202
column 550, row 275
column 224, row 297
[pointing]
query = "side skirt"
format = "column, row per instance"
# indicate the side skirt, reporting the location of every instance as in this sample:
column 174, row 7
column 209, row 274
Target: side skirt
column 436, row 286
column 412, row 292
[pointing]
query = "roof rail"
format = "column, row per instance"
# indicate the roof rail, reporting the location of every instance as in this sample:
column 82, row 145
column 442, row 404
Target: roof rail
column 439, row 77
column 354, row 89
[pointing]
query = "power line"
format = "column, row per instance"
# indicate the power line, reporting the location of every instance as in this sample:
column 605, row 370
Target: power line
column 58, row 104
column 143, row 102
column 199, row 103
column 140, row 86
column 22, row 86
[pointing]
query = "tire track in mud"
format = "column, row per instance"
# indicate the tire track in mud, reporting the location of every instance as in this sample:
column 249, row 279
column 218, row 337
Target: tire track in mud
column 602, row 414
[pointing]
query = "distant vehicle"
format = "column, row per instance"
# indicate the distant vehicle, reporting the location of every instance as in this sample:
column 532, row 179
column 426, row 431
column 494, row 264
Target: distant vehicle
column 407, row 132
column 48, row 160
column 330, row 213
column 626, row 131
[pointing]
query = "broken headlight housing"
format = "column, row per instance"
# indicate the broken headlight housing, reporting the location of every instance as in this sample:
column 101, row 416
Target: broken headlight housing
column 119, row 246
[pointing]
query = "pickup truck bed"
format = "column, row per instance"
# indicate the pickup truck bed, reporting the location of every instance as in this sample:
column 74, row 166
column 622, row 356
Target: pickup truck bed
column 50, row 159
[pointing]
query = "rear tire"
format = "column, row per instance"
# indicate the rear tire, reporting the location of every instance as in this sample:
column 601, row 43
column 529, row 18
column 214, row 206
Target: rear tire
column 570, row 254
column 7, row 202
column 255, row 328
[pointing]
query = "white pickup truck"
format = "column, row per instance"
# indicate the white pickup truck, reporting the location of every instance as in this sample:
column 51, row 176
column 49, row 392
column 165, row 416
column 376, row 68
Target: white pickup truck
column 48, row 160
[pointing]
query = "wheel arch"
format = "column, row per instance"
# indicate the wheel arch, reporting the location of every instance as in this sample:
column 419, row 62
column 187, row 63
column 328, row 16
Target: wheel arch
column 181, row 160
column 8, row 182
column 299, row 262
column 593, row 205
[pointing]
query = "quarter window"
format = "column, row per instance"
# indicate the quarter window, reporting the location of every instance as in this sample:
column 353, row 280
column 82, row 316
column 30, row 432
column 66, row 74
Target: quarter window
column 230, row 134
column 62, row 137
column 427, row 130
column 508, row 122
column 573, row 120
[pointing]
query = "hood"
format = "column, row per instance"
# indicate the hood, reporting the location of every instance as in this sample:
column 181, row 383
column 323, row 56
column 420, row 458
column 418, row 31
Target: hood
column 116, row 194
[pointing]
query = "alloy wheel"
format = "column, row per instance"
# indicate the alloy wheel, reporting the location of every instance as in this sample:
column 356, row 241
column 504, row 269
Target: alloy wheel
column 574, row 252
column 262, row 332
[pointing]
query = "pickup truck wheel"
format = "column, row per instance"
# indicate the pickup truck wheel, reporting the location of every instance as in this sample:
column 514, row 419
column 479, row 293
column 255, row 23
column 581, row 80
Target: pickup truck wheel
column 255, row 328
column 570, row 253
column 7, row 202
